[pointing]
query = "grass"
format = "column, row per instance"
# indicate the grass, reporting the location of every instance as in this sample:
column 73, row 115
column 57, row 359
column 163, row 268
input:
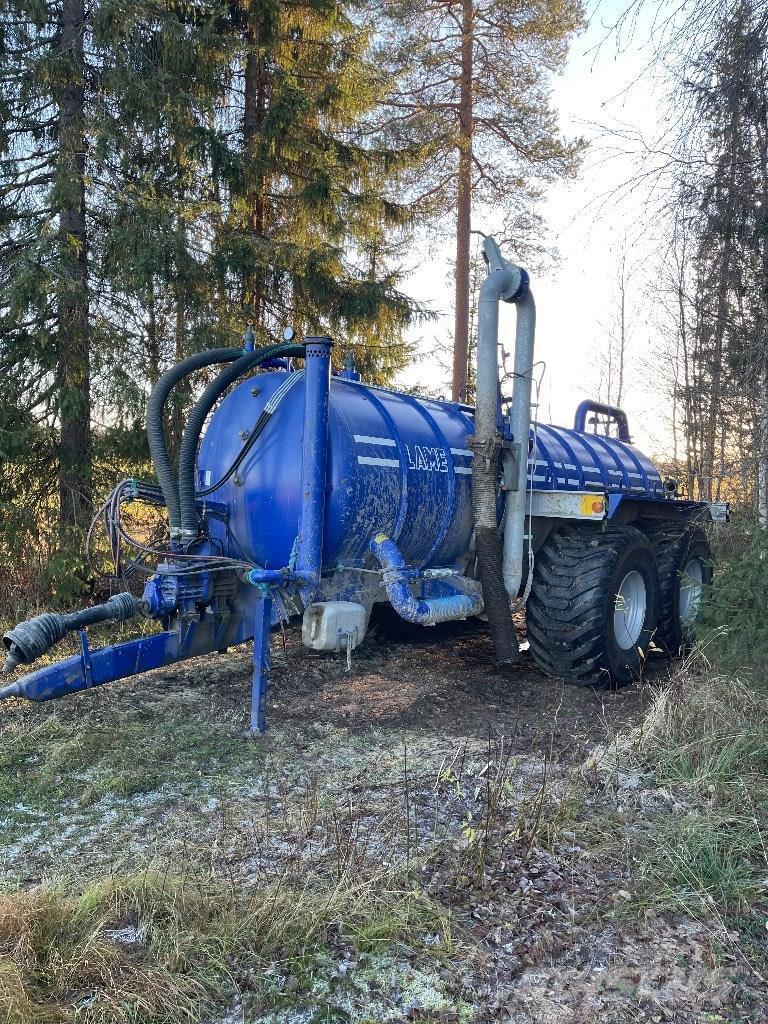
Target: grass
column 705, row 738
column 704, row 863
column 259, row 890
column 114, row 755
column 167, row 948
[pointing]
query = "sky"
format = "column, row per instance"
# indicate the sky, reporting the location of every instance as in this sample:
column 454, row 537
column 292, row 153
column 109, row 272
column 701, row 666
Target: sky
column 605, row 90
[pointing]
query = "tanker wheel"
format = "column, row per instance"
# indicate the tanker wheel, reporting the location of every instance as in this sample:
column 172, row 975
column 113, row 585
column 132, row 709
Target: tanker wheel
column 685, row 571
column 593, row 605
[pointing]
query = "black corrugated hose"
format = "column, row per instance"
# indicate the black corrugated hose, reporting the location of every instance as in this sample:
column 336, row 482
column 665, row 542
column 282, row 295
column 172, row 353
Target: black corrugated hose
column 196, row 421
column 156, row 430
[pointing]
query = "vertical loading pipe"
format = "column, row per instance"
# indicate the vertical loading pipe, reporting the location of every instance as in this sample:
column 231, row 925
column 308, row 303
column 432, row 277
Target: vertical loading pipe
column 516, row 470
column 504, row 281
column 314, row 461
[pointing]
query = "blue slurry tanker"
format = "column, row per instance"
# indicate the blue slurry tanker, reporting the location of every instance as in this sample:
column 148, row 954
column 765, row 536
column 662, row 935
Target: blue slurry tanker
column 313, row 495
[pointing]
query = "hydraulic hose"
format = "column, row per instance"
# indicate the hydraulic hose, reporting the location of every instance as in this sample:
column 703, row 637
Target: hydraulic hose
column 264, row 418
column 155, row 429
column 188, row 521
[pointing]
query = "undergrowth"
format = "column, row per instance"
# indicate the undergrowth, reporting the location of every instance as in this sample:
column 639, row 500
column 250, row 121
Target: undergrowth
column 732, row 625
column 166, row 948
column 704, row 739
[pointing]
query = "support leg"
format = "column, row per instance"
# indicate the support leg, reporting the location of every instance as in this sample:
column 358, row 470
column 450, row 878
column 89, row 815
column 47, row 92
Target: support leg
column 262, row 631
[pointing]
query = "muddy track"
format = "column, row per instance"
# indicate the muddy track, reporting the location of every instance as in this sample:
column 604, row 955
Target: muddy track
column 441, row 681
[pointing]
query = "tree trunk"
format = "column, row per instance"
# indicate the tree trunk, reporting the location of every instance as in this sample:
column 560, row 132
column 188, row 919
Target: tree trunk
column 622, row 323
column 762, row 353
column 73, row 349
column 253, row 120
column 464, row 208
column 762, row 455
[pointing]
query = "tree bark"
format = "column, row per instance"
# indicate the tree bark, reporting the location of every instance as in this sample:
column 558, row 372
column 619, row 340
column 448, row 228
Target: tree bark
column 622, row 323
column 73, row 342
column 762, row 353
column 464, row 207
column 253, row 120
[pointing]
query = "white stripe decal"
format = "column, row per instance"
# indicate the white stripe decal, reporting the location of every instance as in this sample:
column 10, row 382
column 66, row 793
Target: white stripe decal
column 461, row 451
column 465, row 470
column 365, row 461
column 365, row 439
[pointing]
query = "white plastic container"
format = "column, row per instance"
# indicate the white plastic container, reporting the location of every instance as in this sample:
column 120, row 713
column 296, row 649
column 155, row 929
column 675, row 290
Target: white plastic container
column 333, row 626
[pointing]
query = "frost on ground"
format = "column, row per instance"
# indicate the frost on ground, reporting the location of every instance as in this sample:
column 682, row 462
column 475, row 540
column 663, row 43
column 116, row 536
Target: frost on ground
column 499, row 804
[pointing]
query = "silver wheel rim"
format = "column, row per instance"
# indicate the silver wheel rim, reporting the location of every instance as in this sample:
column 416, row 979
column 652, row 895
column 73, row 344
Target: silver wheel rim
column 629, row 610
column 691, row 589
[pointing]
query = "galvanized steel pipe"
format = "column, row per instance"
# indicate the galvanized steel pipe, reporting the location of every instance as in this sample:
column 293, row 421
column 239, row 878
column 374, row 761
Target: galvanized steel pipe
column 516, row 472
column 503, row 282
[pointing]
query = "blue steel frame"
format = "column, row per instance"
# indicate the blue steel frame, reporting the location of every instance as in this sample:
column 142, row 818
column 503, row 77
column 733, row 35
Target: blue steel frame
column 190, row 637
column 309, row 541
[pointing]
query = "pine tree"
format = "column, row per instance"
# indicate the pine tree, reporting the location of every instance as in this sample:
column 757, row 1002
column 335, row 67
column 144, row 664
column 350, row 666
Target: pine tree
column 471, row 81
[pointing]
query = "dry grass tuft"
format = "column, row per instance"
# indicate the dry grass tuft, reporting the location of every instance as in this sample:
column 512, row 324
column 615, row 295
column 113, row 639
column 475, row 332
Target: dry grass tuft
column 162, row 949
column 703, row 731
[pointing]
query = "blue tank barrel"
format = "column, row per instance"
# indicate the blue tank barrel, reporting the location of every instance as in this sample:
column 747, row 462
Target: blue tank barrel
column 571, row 460
column 396, row 464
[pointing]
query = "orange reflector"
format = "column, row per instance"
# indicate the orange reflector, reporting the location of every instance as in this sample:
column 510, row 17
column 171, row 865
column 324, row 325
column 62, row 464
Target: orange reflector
column 592, row 506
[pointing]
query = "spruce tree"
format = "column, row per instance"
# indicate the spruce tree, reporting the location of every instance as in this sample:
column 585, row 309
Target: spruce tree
column 44, row 243
column 307, row 193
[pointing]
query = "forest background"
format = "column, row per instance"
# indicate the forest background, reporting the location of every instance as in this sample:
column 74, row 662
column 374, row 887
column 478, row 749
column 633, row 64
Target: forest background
column 171, row 171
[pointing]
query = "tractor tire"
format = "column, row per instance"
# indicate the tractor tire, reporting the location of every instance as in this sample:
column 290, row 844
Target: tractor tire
column 594, row 605
column 685, row 571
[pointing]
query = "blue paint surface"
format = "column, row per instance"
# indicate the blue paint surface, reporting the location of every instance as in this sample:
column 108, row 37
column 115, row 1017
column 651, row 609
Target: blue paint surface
column 313, row 492
column 396, row 464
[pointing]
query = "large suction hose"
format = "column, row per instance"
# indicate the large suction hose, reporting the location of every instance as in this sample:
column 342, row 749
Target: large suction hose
column 188, row 453
column 504, row 282
column 424, row 611
column 28, row 640
column 158, row 448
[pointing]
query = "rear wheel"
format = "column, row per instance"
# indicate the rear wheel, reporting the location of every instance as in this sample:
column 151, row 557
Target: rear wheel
column 593, row 605
column 685, row 571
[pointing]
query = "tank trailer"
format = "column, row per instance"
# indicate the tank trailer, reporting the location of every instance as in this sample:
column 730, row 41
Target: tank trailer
column 313, row 494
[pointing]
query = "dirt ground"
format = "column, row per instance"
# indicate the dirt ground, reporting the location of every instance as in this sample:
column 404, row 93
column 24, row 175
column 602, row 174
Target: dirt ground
column 485, row 766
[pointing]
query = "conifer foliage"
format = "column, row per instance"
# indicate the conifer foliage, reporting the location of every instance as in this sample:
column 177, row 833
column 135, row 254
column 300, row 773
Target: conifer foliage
column 471, row 79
